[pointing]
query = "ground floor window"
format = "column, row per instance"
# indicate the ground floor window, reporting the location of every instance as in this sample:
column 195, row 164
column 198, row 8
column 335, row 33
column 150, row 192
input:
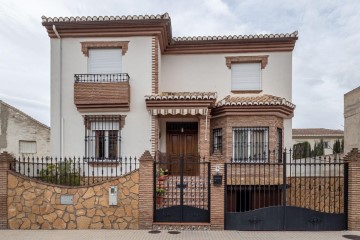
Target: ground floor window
column 102, row 137
column 217, row 140
column 250, row 144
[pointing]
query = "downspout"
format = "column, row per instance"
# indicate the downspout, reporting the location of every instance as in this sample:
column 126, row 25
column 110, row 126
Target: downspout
column 60, row 92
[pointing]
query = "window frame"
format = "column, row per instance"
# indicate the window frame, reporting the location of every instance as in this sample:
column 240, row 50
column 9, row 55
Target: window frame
column 242, row 88
column 27, row 141
column 249, row 148
column 217, row 145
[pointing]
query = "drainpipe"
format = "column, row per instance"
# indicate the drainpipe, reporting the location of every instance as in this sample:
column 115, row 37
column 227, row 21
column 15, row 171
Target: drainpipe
column 60, row 92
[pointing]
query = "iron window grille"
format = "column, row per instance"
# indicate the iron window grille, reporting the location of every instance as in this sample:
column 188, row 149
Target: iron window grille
column 250, row 144
column 102, row 137
column 217, row 140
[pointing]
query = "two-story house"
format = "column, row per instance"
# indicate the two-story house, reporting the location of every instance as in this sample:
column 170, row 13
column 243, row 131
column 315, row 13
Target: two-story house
column 121, row 85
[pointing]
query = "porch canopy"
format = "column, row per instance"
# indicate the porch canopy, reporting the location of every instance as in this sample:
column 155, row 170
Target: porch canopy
column 254, row 105
column 180, row 103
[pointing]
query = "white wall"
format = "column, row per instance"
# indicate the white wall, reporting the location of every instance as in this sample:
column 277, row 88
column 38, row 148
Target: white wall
column 352, row 120
column 208, row 72
column 15, row 127
column 136, row 62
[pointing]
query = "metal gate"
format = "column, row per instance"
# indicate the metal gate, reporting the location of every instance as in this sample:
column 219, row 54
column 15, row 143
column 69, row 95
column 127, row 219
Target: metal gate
column 181, row 189
column 291, row 194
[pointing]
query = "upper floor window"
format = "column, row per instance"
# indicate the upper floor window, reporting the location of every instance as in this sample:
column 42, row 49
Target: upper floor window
column 105, row 61
column 27, row 147
column 246, row 77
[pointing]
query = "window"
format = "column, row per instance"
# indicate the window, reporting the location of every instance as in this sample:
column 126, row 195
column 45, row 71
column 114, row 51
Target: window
column 250, row 144
column 27, row 147
column 217, row 139
column 102, row 137
column 326, row 145
column 245, row 76
column 104, row 61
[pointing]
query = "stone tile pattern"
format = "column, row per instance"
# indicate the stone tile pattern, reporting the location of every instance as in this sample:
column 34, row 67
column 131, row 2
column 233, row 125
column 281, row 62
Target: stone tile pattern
column 36, row 205
column 322, row 194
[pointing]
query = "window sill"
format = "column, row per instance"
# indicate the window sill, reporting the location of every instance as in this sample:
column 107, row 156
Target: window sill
column 246, row 91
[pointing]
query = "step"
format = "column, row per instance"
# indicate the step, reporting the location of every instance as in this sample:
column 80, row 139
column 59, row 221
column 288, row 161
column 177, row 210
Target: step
column 192, row 226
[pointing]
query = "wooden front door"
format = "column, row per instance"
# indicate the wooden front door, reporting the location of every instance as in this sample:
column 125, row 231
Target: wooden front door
column 182, row 141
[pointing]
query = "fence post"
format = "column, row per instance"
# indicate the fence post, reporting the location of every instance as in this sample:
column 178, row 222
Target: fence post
column 146, row 191
column 353, row 159
column 6, row 160
column 217, row 192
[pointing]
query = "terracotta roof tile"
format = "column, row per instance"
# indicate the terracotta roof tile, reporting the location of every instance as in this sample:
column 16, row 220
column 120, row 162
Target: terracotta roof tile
column 182, row 96
column 316, row 132
column 104, row 18
column 254, row 100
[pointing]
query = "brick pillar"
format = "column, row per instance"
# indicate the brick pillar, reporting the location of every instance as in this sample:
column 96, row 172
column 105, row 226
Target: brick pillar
column 217, row 192
column 146, row 191
column 5, row 161
column 353, row 158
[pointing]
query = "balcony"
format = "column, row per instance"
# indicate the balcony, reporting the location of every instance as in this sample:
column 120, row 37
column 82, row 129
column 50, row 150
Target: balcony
column 102, row 92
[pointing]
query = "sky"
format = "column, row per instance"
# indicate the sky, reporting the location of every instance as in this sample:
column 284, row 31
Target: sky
column 325, row 58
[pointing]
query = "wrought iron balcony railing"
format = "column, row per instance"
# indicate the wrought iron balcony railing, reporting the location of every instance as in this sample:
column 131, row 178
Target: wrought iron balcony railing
column 110, row 77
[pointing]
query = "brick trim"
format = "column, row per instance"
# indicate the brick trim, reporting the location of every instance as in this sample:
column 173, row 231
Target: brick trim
column 263, row 59
column 85, row 46
column 5, row 161
column 155, row 65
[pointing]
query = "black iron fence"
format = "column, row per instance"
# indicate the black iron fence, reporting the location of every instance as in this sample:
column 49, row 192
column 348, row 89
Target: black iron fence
column 74, row 171
column 264, row 195
column 111, row 77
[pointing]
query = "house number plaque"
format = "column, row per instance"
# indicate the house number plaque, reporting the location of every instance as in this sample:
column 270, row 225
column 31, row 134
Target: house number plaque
column 66, row 199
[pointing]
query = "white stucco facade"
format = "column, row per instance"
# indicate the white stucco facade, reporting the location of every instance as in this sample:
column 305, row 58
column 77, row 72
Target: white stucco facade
column 136, row 135
column 16, row 127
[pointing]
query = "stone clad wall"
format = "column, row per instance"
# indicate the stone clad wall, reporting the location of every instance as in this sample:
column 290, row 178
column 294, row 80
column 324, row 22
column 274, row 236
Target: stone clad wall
column 36, row 205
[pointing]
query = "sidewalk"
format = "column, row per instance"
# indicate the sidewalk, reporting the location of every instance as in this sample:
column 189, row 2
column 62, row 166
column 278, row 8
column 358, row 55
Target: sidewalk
column 188, row 235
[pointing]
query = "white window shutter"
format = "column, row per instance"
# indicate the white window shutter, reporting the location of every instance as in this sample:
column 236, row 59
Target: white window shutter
column 27, row 146
column 103, row 61
column 246, row 76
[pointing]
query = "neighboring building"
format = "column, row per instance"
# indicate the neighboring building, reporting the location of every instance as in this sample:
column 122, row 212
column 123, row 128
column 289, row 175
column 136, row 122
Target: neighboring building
column 314, row 135
column 123, row 85
column 352, row 119
column 22, row 135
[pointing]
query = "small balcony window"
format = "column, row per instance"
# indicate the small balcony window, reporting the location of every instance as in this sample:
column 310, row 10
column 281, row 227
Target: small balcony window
column 105, row 61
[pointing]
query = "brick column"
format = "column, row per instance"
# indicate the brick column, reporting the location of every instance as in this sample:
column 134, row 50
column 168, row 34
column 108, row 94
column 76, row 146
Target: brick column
column 146, row 191
column 5, row 161
column 353, row 158
column 217, row 193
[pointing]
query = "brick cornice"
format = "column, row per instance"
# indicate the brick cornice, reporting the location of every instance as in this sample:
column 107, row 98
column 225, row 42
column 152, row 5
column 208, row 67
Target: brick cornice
column 263, row 59
column 85, row 46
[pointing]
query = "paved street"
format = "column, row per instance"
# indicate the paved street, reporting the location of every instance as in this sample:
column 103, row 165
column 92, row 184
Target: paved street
column 188, row 235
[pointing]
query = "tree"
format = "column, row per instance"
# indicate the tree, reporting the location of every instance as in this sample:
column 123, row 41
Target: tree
column 337, row 146
column 319, row 149
column 301, row 150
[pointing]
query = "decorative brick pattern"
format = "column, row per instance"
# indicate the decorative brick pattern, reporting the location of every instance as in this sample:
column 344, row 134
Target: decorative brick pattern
column 247, row 59
column 204, row 136
column 154, row 134
column 5, row 161
column 146, row 191
column 155, row 65
column 353, row 158
column 85, row 46
column 102, row 95
column 227, row 123
column 217, row 193
column 36, row 205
